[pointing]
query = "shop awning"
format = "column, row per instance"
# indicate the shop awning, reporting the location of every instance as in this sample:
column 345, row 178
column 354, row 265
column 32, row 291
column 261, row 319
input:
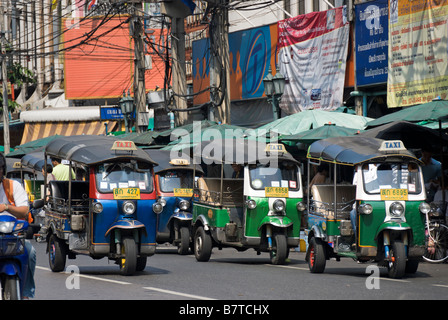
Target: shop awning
column 38, row 130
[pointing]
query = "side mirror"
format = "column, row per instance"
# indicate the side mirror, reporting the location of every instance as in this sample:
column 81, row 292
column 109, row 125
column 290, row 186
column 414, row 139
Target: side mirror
column 37, row 204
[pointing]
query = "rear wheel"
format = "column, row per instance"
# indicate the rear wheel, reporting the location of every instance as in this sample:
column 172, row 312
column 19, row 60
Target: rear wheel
column 436, row 249
column 202, row 245
column 397, row 263
column 128, row 261
column 316, row 256
column 57, row 253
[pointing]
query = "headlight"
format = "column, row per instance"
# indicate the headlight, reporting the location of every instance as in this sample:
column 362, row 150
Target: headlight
column 6, row 226
column 396, row 209
column 251, row 204
column 184, row 205
column 278, row 205
column 97, row 207
column 301, row 206
column 157, row 207
column 365, row 208
column 128, row 207
column 424, row 207
column 162, row 201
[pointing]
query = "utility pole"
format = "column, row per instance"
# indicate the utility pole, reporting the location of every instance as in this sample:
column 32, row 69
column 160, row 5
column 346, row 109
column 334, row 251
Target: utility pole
column 139, row 66
column 219, row 64
column 6, row 141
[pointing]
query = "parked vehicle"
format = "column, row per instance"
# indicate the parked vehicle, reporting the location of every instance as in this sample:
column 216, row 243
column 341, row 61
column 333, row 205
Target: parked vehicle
column 261, row 210
column 374, row 209
column 109, row 211
column 174, row 180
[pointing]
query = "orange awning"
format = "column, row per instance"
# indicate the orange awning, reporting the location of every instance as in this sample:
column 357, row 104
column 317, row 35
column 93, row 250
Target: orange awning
column 38, row 130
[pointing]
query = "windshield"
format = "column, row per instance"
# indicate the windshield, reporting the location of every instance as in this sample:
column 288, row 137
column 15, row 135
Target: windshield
column 391, row 176
column 285, row 175
column 169, row 180
column 114, row 175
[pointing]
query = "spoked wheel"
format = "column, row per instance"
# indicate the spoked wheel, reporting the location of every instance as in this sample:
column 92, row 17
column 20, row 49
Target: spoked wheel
column 316, row 256
column 202, row 245
column 279, row 251
column 436, row 250
column 57, row 254
column 128, row 261
column 184, row 244
column 397, row 263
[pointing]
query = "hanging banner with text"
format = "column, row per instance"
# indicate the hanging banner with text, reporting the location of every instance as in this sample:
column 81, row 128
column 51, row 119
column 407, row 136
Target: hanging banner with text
column 312, row 57
column 417, row 58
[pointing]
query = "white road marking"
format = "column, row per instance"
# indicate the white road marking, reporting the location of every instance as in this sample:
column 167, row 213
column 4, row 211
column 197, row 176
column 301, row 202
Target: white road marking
column 178, row 293
column 89, row 277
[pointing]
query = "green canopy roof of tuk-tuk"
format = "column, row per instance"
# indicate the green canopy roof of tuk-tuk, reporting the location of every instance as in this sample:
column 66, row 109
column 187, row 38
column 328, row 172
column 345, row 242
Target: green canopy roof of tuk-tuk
column 90, row 149
column 353, row 150
column 241, row 151
column 163, row 158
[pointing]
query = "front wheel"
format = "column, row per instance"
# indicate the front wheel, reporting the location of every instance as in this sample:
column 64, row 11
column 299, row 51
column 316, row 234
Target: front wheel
column 436, row 249
column 57, row 253
column 202, row 245
column 184, row 244
column 397, row 263
column 279, row 251
column 128, row 261
column 316, row 256
column 10, row 287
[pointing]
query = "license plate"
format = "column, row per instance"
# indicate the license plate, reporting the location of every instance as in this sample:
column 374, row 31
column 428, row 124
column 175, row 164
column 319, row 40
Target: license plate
column 276, row 192
column 394, row 194
column 183, row 192
column 127, row 193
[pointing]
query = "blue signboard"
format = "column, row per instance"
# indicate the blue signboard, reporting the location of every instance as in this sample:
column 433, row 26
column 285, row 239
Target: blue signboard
column 110, row 113
column 371, row 38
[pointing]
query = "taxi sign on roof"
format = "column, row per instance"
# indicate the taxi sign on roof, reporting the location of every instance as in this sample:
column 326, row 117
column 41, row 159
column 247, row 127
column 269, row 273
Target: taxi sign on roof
column 124, row 145
column 275, row 147
column 392, row 145
column 180, row 162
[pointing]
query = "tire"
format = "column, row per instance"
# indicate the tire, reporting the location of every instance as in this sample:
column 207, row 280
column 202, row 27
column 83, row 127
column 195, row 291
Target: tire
column 412, row 266
column 184, row 244
column 202, row 245
column 141, row 263
column 128, row 263
column 57, row 253
column 436, row 249
column 316, row 256
column 397, row 264
column 280, row 251
column 11, row 287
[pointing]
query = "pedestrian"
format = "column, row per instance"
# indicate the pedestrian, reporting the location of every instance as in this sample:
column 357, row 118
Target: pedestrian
column 14, row 201
column 61, row 171
column 432, row 171
column 50, row 175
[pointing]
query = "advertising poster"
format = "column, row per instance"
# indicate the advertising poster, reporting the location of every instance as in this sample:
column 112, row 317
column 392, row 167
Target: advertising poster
column 371, row 32
column 312, row 57
column 417, row 52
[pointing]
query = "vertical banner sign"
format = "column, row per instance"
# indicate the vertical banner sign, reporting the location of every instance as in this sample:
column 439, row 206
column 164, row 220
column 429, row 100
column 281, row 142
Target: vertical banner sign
column 371, row 32
column 312, row 57
column 417, row 58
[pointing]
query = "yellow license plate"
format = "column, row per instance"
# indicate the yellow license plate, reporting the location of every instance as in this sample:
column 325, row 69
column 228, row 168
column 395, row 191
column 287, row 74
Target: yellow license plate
column 276, row 192
column 394, row 194
column 127, row 193
column 182, row 192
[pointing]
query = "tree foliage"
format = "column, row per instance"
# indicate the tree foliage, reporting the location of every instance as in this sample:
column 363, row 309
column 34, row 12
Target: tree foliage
column 17, row 75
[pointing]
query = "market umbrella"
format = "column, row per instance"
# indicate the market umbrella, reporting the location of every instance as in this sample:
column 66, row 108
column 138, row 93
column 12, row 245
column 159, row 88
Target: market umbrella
column 434, row 110
column 311, row 119
column 328, row 130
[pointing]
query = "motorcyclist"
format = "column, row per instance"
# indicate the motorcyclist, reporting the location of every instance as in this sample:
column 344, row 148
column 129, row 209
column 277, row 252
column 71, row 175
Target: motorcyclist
column 14, row 200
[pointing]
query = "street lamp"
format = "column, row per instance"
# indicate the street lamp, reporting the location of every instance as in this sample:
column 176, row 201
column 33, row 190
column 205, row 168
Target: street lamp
column 127, row 106
column 274, row 87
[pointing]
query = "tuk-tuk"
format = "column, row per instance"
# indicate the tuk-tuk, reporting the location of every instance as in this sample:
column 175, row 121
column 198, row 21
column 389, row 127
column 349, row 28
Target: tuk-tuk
column 108, row 210
column 174, row 178
column 261, row 209
column 374, row 208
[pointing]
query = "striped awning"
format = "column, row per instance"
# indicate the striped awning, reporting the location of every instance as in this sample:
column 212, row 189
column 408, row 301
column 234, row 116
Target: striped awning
column 38, row 130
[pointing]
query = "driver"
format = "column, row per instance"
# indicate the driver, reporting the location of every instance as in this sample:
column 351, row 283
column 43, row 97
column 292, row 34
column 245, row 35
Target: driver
column 14, row 200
